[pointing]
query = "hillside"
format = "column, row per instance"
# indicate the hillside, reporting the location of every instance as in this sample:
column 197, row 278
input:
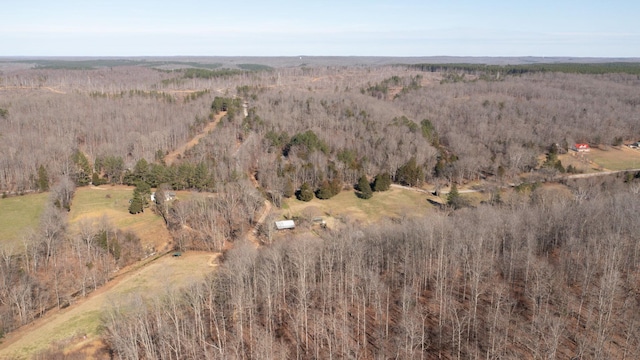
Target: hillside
column 460, row 224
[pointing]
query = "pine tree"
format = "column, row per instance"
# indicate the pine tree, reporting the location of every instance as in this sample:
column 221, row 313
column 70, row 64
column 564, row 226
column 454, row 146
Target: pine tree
column 324, row 192
column 136, row 205
column 382, row 182
column 364, row 189
column 83, row 171
column 335, row 185
column 43, row 179
column 140, row 198
column 453, row 198
column 305, row 193
column 410, row 173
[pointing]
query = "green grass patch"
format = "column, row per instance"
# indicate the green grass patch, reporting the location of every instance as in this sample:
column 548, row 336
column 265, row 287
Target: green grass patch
column 18, row 214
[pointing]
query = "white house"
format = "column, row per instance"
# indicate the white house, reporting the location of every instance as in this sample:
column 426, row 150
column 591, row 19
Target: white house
column 168, row 196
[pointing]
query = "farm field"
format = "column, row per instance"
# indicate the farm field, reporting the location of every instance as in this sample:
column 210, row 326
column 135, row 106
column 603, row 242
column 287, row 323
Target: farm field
column 18, row 214
column 112, row 202
column 579, row 161
column 81, row 322
column 392, row 203
column 616, row 158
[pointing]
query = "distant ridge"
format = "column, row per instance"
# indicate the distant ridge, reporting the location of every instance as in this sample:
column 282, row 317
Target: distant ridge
column 309, row 61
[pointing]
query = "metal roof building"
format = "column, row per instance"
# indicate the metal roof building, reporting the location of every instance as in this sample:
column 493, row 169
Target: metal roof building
column 285, row 224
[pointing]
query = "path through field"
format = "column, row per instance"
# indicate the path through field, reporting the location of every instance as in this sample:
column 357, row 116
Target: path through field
column 179, row 152
column 82, row 320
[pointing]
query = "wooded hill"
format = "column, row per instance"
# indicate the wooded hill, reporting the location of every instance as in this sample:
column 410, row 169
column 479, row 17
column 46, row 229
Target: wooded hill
column 537, row 274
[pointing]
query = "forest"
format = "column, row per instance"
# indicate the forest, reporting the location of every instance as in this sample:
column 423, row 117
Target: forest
column 546, row 268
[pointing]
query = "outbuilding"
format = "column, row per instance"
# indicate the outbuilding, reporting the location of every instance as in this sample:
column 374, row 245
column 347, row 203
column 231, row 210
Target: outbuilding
column 285, row 224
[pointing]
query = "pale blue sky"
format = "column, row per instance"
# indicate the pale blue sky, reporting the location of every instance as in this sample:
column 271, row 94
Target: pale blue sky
column 338, row 28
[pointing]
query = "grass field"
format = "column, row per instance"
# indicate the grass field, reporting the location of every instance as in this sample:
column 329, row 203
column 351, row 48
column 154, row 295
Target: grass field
column 578, row 161
column 19, row 213
column 616, row 158
column 84, row 317
column 392, row 203
column 112, row 202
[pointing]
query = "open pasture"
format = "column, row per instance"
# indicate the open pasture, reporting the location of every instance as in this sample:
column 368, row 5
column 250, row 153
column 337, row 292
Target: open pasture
column 392, row 203
column 18, row 214
column 112, row 203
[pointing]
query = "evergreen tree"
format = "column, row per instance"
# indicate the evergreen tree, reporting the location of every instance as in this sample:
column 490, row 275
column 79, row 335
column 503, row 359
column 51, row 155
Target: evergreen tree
column 82, row 173
column 136, row 205
column 364, row 189
column 43, row 179
column 157, row 175
column 96, row 180
column 382, row 182
column 335, row 185
column 453, row 198
column 305, row 193
column 141, row 170
column 410, row 173
column 324, row 192
column 140, row 199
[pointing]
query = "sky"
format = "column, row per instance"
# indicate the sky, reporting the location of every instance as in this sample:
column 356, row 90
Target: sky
column 586, row 28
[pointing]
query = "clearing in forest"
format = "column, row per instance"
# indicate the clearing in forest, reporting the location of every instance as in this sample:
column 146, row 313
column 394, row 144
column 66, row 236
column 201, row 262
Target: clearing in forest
column 392, row 203
column 17, row 215
column 112, row 202
column 614, row 158
column 80, row 323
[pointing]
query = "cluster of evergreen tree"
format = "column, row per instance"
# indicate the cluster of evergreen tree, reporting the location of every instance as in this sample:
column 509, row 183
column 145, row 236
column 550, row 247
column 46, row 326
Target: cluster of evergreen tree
column 186, row 175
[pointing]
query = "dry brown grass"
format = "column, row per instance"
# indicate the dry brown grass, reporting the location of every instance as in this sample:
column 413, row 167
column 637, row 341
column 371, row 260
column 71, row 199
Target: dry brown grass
column 112, row 203
column 612, row 158
column 392, row 203
column 79, row 325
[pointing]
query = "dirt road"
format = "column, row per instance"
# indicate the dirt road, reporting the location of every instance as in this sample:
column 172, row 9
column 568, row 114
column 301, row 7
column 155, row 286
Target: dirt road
column 179, row 152
column 430, row 192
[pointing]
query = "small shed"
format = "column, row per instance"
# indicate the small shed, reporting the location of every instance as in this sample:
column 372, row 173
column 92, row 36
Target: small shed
column 285, row 224
column 320, row 221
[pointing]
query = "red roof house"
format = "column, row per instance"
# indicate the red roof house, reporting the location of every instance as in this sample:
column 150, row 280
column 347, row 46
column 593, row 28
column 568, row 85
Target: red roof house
column 581, row 147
